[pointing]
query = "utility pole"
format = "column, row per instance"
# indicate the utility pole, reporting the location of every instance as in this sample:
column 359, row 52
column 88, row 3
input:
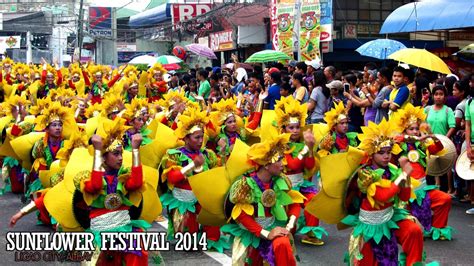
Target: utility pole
column 80, row 29
column 29, row 51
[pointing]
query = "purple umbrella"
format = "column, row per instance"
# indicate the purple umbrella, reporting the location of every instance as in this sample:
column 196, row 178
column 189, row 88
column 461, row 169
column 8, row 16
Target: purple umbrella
column 201, row 50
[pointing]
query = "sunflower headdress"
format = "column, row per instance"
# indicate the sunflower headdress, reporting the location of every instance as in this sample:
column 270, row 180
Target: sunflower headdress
column 112, row 103
column 51, row 71
column 21, row 69
column 77, row 139
column 14, row 102
column 191, row 122
column 157, row 67
column 75, row 70
column 131, row 79
column 290, row 111
column 269, row 151
column 222, row 110
column 130, row 70
column 41, row 105
column 410, row 114
column 375, row 137
column 93, row 110
column 95, row 70
column 56, row 112
column 7, row 61
column 112, row 132
column 173, row 97
column 135, row 109
column 335, row 115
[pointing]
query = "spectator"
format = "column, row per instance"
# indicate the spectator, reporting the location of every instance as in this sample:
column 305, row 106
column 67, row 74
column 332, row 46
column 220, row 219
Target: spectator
column 460, row 91
column 384, row 77
column 204, row 85
column 285, row 89
column 335, row 88
column 291, row 67
column 318, row 101
column 312, row 66
column 330, row 73
column 273, row 90
column 451, row 101
column 400, row 95
column 469, row 137
column 301, row 93
column 441, row 119
column 356, row 119
column 419, row 92
column 240, row 75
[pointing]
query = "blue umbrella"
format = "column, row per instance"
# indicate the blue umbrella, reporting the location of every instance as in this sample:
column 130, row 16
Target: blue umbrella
column 380, row 48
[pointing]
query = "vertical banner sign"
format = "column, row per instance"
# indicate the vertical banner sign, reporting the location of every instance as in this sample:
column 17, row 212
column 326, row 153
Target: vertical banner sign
column 274, row 23
column 326, row 20
column 100, row 21
column 310, row 30
column 284, row 34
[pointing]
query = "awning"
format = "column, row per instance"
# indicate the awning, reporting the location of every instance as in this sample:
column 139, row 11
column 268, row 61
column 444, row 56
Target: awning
column 151, row 17
column 430, row 15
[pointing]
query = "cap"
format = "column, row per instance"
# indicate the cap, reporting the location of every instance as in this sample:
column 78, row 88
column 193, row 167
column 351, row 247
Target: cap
column 216, row 70
column 313, row 63
column 292, row 63
column 272, row 70
column 335, row 84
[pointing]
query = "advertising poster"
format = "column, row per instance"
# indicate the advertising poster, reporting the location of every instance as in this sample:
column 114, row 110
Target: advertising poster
column 326, row 20
column 310, row 30
column 284, row 36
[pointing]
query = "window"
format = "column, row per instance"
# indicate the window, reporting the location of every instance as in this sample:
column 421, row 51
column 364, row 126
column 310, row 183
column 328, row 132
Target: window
column 364, row 15
column 352, row 14
column 374, row 15
column 364, row 4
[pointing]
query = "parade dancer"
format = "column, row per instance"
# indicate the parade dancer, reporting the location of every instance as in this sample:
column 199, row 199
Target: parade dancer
column 300, row 162
column 51, row 78
column 431, row 206
column 338, row 139
column 265, row 208
column 156, row 86
column 381, row 186
column 180, row 164
column 135, row 115
column 98, row 88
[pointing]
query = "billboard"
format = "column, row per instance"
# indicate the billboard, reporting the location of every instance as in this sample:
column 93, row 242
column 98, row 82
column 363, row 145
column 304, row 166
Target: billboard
column 100, row 21
column 183, row 12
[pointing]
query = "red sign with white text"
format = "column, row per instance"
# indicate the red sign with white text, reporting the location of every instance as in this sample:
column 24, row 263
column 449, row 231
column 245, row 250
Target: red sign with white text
column 183, row 12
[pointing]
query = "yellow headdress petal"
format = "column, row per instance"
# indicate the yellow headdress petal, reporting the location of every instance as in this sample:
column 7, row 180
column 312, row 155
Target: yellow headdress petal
column 223, row 110
column 408, row 115
column 13, row 102
column 378, row 136
column 335, row 115
column 190, row 122
column 135, row 109
column 57, row 112
column 77, row 139
column 111, row 103
column 289, row 110
column 269, row 151
column 156, row 68
column 112, row 132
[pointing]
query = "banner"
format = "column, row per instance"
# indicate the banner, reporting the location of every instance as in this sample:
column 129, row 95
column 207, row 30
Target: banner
column 284, row 34
column 9, row 42
column 326, row 20
column 221, row 41
column 310, row 31
column 100, row 21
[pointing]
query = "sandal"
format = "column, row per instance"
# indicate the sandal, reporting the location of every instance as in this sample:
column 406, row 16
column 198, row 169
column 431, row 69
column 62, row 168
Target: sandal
column 312, row 241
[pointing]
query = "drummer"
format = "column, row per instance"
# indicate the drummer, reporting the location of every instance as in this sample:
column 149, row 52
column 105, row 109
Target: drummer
column 431, row 206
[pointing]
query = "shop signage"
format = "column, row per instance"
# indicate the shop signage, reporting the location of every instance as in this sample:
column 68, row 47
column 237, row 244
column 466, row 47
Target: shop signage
column 221, row 41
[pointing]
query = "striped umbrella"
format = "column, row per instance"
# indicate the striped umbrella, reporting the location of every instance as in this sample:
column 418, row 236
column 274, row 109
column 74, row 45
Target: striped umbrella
column 168, row 59
column 267, row 56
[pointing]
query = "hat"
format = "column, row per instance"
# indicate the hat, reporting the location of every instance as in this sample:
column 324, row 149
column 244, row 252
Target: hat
column 269, row 151
column 407, row 116
column 241, row 74
column 112, row 132
column 292, row 63
column 216, row 70
column 222, row 110
column 438, row 165
column 335, row 84
column 272, row 70
column 375, row 137
column 315, row 63
column 336, row 114
column 288, row 110
column 191, row 122
column 464, row 167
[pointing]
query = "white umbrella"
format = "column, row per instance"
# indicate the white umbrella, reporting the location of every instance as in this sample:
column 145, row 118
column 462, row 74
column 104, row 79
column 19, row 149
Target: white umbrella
column 143, row 59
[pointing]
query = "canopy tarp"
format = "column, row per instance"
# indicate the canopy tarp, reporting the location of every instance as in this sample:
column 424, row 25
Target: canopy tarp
column 151, row 17
column 430, row 15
